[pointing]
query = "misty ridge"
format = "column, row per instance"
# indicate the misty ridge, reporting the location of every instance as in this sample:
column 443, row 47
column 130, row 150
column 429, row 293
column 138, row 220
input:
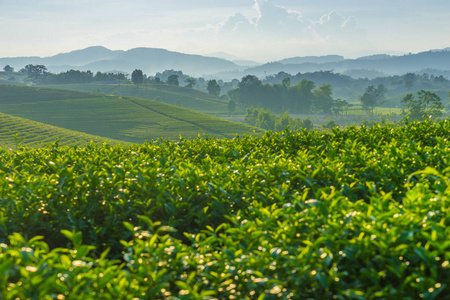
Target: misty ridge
column 153, row 60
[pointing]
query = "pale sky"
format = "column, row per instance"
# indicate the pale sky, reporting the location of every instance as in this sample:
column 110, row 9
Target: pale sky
column 260, row 30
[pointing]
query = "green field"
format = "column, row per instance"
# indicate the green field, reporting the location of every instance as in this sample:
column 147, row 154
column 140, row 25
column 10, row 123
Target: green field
column 16, row 132
column 170, row 94
column 360, row 213
column 122, row 118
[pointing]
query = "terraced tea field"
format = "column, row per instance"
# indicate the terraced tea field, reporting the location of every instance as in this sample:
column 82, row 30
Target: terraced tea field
column 16, row 132
column 122, row 118
column 176, row 95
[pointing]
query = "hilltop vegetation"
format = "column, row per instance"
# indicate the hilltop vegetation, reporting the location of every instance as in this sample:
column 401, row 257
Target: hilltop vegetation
column 122, row 118
column 359, row 213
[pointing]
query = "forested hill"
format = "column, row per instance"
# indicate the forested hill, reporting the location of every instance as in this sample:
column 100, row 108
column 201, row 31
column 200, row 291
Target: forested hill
column 391, row 65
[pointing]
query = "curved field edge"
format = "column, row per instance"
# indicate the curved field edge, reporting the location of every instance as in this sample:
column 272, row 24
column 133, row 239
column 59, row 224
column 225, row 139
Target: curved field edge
column 359, row 213
column 175, row 95
column 17, row 132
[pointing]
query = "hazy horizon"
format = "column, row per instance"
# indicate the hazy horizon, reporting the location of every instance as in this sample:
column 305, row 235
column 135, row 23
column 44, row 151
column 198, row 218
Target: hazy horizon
column 246, row 29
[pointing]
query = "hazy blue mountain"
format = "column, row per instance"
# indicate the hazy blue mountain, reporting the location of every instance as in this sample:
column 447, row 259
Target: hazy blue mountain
column 81, row 57
column 440, row 50
column 312, row 59
column 19, row 62
column 392, row 65
column 360, row 73
column 153, row 60
column 223, row 55
column 375, row 57
column 63, row 61
column 247, row 63
column 150, row 60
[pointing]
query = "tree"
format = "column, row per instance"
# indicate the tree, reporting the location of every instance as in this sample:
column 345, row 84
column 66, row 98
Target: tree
column 173, row 79
column 323, row 99
column 36, row 73
column 302, row 96
column 213, row 87
column 231, row 106
column 307, row 124
column 373, row 96
column 286, row 82
column 283, row 121
column 8, row 69
column 330, row 125
column 191, row 81
column 427, row 104
column 137, row 77
column 339, row 106
column 248, row 91
column 410, row 79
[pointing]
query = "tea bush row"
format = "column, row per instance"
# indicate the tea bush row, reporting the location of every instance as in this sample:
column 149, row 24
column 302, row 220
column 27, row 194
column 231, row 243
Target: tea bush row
column 357, row 213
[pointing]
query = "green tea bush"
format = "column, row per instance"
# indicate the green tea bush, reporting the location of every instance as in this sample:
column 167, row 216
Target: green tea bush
column 359, row 213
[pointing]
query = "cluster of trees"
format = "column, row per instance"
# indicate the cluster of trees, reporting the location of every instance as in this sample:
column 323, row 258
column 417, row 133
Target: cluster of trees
column 426, row 105
column 351, row 88
column 38, row 74
column 303, row 97
column 267, row 120
column 8, row 69
column 173, row 77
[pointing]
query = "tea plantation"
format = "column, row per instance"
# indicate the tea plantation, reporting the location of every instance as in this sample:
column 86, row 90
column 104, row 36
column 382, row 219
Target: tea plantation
column 15, row 131
column 125, row 119
column 171, row 94
column 360, row 213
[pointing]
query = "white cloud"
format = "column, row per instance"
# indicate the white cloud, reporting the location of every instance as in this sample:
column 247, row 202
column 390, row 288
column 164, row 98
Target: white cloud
column 334, row 23
column 283, row 31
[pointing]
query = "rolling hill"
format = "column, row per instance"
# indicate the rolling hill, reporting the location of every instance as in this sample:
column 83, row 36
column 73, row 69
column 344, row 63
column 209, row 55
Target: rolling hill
column 127, row 119
column 170, row 94
column 15, row 132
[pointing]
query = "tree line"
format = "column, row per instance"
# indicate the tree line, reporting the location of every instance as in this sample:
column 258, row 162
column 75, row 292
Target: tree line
column 267, row 120
column 351, row 88
column 38, row 74
column 303, row 97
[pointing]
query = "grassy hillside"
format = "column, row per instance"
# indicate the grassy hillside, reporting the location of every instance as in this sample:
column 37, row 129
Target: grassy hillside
column 15, row 132
column 170, row 94
column 123, row 118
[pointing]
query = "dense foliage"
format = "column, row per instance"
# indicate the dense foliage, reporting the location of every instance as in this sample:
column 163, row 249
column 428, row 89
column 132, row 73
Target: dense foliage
column 38, row 74
column 360, row 213
column 267, row 120
column 303, row 97
column 427, row 105
column 351, row 88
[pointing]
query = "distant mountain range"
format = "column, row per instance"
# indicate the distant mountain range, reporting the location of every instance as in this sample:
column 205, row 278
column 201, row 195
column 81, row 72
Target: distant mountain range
column 374, row 64
column 152, row 60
